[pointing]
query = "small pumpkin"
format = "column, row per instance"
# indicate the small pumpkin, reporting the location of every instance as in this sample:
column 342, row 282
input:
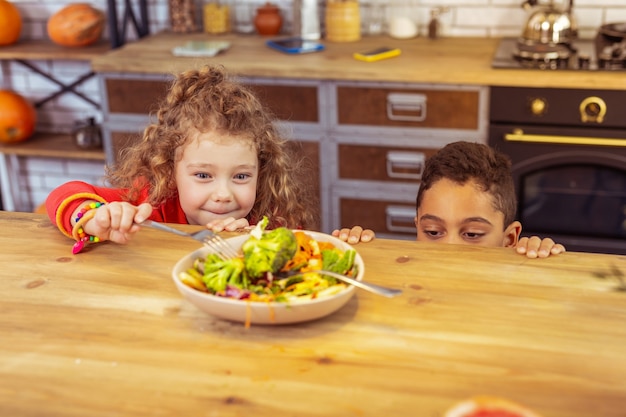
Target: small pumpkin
column 75, row 25
column 17, row 117
column 10, row 23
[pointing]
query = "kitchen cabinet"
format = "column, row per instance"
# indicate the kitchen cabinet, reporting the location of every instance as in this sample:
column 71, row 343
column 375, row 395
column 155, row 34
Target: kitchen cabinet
column 380, row 136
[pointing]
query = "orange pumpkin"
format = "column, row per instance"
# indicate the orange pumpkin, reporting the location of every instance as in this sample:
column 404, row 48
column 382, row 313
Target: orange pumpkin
column 10, row 23
column 17, row 117
column 77, row 24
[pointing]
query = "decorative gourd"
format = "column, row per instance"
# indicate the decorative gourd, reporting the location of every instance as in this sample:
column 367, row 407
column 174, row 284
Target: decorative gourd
column 75, row 25
column 10, row 23
column 17, row 117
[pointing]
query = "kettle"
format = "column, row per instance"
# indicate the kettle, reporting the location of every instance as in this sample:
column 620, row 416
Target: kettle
column 549, row 24
column 87, row 134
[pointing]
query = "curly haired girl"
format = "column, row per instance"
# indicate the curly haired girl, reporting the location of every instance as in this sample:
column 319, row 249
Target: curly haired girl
column 213, row 157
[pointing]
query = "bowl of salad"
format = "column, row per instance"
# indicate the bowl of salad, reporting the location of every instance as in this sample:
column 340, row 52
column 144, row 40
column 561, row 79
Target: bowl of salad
column 273, row 280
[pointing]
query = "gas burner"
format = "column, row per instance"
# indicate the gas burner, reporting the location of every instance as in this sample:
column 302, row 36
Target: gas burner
column 611, row 46
column 543, row 56
column 613, row 56
column 518, row 53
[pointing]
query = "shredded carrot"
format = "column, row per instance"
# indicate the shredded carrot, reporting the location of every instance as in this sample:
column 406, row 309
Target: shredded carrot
column 248, row 314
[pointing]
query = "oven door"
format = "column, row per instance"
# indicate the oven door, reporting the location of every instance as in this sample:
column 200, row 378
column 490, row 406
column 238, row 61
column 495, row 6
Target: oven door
column 570, row 183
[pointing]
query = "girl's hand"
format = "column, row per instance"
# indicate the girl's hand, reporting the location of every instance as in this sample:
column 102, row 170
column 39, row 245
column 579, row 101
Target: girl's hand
column 355, row 235
column 535, row 247
column 116, row 221
column 229, row 224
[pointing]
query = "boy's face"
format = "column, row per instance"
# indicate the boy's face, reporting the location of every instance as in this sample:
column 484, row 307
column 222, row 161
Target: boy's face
column 462, row 214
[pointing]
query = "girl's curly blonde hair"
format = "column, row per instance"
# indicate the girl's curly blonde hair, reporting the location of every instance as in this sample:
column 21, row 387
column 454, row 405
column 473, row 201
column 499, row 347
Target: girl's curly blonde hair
column 208, row 100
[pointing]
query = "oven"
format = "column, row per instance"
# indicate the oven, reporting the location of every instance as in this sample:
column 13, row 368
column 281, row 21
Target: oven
column 568, row 152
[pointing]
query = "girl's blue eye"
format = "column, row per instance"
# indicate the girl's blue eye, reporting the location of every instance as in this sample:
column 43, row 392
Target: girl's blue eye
column 242, row 177
column 202, row 175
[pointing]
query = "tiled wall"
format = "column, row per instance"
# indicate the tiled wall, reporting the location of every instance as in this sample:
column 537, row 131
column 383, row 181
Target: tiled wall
column 482, row 18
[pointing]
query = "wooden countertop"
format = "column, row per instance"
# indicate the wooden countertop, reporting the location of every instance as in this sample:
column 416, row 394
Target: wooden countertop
column 106, row 333
column 464, row 61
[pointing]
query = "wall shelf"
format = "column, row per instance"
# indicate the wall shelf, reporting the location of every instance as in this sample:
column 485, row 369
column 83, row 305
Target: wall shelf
column 24, row 52
column 40, row 145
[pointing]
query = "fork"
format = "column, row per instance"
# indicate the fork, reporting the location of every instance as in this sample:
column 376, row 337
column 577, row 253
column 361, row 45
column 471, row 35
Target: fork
column 214, row 241
column 377, row 289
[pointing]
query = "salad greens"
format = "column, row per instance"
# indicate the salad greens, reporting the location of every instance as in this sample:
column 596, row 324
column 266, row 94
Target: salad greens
column 264, row 271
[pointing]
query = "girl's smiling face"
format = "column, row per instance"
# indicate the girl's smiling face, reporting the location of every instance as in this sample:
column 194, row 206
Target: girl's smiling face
column 216, row 177
column 462, row 214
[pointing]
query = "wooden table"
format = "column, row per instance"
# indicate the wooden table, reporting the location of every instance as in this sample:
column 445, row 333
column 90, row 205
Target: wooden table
column 105, row 333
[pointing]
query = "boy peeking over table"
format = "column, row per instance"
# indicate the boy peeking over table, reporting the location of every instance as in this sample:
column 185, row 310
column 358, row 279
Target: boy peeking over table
column 467, row 196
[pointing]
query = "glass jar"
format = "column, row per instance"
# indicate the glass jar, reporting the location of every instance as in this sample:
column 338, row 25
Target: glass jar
column 403, row 18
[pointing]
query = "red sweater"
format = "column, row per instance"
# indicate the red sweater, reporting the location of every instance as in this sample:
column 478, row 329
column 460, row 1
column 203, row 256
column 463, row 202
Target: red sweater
column 73, row 194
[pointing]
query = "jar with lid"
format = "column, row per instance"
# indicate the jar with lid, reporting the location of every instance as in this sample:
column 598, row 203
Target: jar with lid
column 343, row 21
column 403, row 18
column 216, row 18
column 268, row 20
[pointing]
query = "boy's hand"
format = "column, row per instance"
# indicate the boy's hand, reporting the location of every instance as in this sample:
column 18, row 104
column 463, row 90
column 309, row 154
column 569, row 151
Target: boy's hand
column 117, row 221
column 355, row 235
column 535, row 247
column 229, row 224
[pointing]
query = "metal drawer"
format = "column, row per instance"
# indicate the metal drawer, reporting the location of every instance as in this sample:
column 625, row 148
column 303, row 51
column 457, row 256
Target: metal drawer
column 386, row 218
column 381, row 163
column 404, row 107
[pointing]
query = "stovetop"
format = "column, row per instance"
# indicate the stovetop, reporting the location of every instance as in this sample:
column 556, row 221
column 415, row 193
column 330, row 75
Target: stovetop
column 581, row 56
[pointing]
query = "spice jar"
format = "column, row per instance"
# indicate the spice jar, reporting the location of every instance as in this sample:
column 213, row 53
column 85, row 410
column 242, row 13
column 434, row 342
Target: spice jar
column 343, row 21
column 268, row 20
column 182, row 16
column 216, row 18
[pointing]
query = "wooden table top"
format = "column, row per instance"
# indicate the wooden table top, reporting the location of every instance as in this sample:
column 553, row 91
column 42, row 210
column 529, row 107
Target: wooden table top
column 465, row 61
column 106, row 333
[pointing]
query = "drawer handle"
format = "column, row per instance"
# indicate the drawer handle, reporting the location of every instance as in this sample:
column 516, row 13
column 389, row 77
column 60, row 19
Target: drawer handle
column 397, row 218
column 403, row 102
column 408, row 165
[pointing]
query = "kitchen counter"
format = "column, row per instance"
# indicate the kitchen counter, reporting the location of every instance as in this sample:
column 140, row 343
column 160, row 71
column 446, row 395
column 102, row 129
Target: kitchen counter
column 106, row 333
column 465, row 61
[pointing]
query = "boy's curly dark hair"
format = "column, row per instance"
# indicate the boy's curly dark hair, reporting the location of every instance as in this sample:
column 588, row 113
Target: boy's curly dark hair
column 465, row 161
column 207, row 100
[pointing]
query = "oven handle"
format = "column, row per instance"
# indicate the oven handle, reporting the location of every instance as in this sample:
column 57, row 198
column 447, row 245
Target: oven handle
column 518, row 135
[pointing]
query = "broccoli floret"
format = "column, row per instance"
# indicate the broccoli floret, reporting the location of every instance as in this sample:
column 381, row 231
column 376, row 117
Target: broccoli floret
column 269, row 251
column 219, row 273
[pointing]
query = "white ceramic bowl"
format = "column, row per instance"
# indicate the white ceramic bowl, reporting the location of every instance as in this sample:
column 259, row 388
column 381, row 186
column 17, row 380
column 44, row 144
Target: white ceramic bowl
column 265, row 312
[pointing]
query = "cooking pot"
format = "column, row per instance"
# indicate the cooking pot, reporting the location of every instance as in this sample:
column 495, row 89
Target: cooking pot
column 549, row 24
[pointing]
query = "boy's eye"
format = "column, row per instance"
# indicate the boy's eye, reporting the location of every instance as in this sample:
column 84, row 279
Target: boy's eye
column 474, row 235
column 433, row 233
